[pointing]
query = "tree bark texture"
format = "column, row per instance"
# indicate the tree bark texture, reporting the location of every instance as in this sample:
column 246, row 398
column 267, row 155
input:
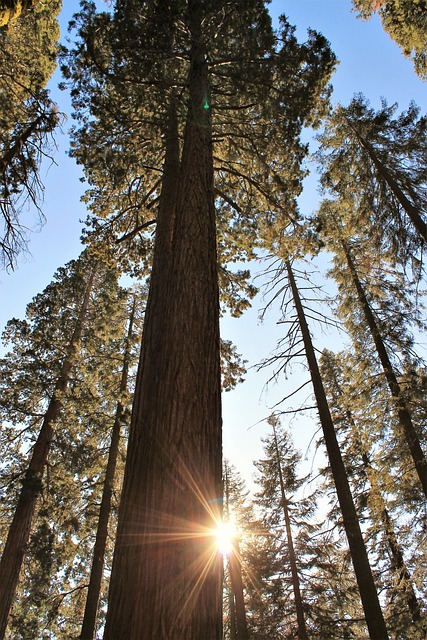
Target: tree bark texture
column 20, row 528
column 94, row 588
column 403, row 414
column 368, row 593
column 302, row 629
column 166, row 581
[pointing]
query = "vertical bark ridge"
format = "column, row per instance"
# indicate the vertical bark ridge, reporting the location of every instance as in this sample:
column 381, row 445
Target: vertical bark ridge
column 167, row 575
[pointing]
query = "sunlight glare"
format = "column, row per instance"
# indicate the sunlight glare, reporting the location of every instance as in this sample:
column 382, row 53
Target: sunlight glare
column 224, row 535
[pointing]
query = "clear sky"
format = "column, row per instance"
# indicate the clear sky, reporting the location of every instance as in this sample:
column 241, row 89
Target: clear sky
column 370, row 63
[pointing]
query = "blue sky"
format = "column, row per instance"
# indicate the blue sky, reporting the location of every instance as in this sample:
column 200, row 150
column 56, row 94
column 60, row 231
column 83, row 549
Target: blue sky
column 370, row 63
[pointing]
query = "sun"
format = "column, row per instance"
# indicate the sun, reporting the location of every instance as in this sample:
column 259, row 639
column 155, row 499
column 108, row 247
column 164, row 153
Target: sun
column 224, row 537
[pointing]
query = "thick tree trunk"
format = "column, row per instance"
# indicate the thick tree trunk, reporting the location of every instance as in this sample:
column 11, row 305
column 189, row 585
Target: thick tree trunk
column 368, row 593
column 166, row 579
column 302, row 629
column 403, row 414
column 94, row 588
column 235, row 566
column 19, row 531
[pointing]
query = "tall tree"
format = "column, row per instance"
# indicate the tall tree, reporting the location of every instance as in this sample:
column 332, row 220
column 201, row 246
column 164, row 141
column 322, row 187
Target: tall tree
column 405, row 22
column 278, row 481
column 80, row 276
column 201, row 71
column 378, row 160
column 94, row 588
column 357, row 443
column 367, row 589
column 345, row 256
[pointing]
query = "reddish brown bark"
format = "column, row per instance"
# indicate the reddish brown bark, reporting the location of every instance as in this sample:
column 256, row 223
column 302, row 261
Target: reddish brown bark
column 166, row 579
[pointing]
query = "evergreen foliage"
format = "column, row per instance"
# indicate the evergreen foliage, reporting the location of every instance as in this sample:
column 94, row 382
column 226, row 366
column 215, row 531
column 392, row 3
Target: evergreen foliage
column 406, row 23
column 28, row 48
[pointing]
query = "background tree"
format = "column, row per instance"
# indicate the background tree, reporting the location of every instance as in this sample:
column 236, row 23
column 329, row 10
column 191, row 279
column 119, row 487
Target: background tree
column 378, row 160
column 37, row 374
column 299, row 342
column 370, row 475
column 278, row 483
column 386, row 318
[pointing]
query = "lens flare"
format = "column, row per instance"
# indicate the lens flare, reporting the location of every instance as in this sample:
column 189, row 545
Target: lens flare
column 224, row 536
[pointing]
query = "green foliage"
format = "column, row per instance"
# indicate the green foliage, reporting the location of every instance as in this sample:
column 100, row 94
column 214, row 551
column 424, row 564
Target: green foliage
column 126, row 73
column 28, row 48
column 361, row 152
column 383, row 484
column 406, row 23
column 55, row 574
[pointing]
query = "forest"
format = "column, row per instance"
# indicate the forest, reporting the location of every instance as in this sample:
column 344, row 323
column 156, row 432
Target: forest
column 196, row 125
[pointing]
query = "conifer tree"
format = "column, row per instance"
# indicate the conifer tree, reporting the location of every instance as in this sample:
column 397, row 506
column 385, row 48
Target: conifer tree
column 99, row 550
column 367, row 588
column 384, row 324
column 207, row 80
column 249, row 566
column 357, row 448
column 278, row 483
column 35, row 393
column 378, row 159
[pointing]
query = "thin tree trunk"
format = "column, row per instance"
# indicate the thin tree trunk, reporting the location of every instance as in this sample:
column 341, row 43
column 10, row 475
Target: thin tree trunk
column 398, row 562
column 94, row 588
column 412, row 211
column 166, row 578
column 235, row 566
column 403, row 414
column 302, row 629
column 233, row 631
column 20, row 528
column 368, row 593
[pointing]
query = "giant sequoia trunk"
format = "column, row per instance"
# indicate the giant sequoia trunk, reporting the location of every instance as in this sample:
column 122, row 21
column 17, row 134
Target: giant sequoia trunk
column 368, row 593
column 302, row 629
column 167, row 575
column 20, row 529
column 403, row 414
column 94, row 588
